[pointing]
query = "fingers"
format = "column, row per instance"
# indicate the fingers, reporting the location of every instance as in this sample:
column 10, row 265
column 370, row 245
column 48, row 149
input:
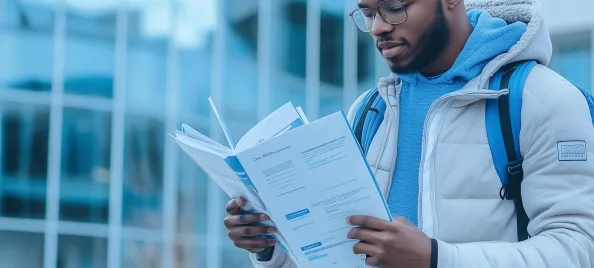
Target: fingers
column 365, row 235
column 369, row 222
column 401, row 220
column 244, row 219
column 233, row 207
column 249, row 231
column 253, row 244
column 256, row 250
column 373, row 253
column 366, row 249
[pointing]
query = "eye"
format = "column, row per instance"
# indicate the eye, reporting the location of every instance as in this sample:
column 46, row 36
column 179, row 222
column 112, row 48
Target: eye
column 397, row 8
column 367, row 13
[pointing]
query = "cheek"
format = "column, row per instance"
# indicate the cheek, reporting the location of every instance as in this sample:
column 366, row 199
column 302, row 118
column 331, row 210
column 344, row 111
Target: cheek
column 419, row 20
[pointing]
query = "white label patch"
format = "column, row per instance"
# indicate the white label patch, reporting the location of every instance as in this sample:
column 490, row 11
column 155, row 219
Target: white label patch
column 572, row 151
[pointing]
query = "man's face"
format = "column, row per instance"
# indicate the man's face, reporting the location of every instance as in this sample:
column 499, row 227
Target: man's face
column 409, row 46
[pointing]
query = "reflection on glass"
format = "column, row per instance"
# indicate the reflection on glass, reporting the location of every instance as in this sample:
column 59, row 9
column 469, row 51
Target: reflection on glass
column 24, row 140
column 147, row 55
column 14, row 244
column 141, row 254
column 81, row 252
column 289, row 53
column 26, row 49
column 90, row 56
column 143, row 172
column 331, row 56
column 86, row 148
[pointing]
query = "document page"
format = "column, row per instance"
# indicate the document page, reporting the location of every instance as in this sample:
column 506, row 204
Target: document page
column 312, row 178
column 281, row 120
column 215, row 166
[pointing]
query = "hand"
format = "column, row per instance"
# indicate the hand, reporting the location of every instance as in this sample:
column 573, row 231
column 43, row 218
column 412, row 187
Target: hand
column 390, row 244
column 241, row 228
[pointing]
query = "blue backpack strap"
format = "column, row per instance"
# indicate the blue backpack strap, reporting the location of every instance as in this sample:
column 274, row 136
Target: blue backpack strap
column 503, row 122
column 368, row 118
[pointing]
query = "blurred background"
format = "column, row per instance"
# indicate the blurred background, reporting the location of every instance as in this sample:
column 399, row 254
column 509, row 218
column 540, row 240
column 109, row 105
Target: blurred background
column 89, row 90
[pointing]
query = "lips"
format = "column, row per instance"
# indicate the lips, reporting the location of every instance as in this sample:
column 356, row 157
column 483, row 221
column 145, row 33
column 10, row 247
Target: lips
column 390, row 49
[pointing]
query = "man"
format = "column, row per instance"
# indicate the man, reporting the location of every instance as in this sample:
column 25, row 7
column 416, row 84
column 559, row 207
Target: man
column 431, row 157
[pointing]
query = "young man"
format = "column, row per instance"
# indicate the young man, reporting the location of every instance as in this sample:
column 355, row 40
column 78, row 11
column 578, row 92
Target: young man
column 431, row 155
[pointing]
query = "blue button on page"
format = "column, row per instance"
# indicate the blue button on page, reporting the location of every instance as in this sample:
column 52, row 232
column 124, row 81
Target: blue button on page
column 297, row 214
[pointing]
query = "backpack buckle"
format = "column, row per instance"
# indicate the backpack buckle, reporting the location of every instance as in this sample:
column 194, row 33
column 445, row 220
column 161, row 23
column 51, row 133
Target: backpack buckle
column 515, row 175
column 515, row 167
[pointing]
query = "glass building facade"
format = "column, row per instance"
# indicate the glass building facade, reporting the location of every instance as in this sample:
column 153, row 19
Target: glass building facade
column 89, row 91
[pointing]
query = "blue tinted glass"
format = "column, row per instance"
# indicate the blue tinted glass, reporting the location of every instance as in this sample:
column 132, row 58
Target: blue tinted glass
column 289, row 53
column 15, row 244
column 141, row 254
column 26, row 49
column 239, row 97
column 147, row 55
column 90, row 51
column 143, row 172
column 574, row 64
column 331, row 57
column 24, row 141
column 86, row 148
column 80, row 251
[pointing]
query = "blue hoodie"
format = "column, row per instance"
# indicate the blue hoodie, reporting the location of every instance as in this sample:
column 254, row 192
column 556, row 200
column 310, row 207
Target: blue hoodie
column 490, row 38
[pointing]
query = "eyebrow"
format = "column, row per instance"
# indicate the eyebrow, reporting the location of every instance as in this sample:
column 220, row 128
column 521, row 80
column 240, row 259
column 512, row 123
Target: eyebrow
column 362, row 5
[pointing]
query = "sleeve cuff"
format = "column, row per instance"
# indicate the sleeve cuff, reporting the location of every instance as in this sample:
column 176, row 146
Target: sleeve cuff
column 446, row 255
column 277, row 260
column 434, row 252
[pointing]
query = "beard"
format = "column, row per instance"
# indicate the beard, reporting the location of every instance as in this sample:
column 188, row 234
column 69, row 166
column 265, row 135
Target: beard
column 431, row 44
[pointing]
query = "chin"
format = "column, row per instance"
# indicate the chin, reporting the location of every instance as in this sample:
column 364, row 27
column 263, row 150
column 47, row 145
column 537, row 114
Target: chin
column 400, row 68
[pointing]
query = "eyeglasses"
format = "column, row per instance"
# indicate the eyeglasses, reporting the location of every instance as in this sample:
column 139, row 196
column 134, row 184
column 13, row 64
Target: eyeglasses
column 391, row 11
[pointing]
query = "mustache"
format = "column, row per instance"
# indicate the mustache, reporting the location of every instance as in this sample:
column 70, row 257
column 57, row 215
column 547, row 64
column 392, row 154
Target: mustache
column 388, row 39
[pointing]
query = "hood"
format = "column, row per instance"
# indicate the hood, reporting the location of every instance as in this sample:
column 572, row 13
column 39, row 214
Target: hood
column 534, row 44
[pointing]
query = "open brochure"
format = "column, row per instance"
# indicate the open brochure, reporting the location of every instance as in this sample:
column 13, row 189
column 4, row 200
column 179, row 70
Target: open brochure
column 307, row 176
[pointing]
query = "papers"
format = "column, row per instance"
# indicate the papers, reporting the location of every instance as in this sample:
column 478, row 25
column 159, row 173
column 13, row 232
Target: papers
column 307, row 176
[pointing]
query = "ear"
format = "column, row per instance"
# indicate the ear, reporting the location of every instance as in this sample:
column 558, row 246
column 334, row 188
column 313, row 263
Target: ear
column 452, row 4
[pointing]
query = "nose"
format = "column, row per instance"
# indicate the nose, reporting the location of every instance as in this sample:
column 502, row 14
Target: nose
column 380, row 26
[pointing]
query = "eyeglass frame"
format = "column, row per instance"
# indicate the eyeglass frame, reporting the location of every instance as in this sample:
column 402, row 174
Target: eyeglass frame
column 377, row 11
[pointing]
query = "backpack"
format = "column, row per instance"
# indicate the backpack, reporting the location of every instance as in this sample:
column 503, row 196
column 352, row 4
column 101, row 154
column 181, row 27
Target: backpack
column 503, row 123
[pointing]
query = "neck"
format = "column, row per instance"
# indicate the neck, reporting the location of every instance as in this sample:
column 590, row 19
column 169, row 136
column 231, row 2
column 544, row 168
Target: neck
column 458, row 37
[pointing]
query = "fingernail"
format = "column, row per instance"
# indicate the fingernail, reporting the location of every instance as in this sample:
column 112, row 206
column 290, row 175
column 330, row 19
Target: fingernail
column 263, row 217
column 270, row 230
column 271, row 242
column 348, row 219
column 240, row 202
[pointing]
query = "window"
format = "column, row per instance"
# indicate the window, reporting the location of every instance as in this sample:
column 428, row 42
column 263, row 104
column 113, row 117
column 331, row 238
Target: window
column 90, row 52
column 143, row 172
column 24, row 136
column 572, row 58
column 86, row 148
column 141, row 254
column 26, row 49
column 21, row 250
column 80, row 251
column 148, row 35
